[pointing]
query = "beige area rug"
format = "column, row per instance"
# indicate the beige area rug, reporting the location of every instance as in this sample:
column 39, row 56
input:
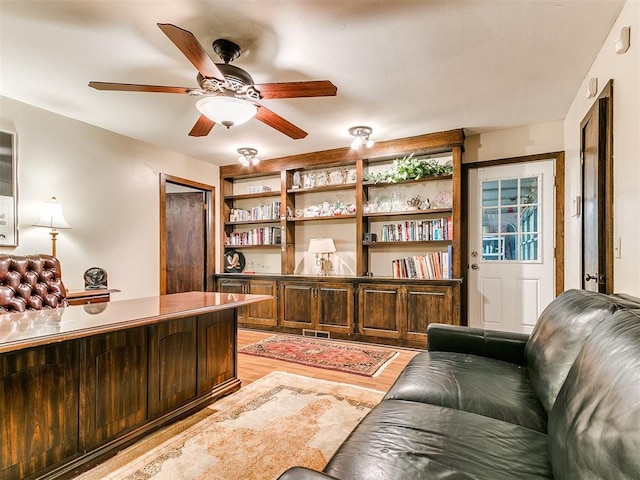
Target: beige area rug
column 272, row 424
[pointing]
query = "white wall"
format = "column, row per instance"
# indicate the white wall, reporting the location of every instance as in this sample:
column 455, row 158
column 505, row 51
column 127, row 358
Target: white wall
column 624, row 70
column 108, row 185
column 514, row 142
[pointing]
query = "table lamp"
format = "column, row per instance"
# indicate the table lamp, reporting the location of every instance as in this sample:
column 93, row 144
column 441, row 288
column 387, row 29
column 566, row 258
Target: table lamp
column 323, row 248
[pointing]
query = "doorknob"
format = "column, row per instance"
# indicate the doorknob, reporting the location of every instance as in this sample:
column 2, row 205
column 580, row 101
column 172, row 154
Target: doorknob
column 474, row 266
column 588, row 277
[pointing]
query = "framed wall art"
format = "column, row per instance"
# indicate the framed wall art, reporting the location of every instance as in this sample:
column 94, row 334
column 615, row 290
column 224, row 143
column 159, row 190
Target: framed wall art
column 8, row 190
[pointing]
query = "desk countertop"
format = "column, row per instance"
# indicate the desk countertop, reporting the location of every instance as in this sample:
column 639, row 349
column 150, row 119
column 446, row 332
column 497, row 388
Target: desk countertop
column 42, row 327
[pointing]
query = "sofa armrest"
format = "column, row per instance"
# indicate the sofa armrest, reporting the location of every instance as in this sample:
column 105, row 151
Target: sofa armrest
column 505, row 346
column 301, row 473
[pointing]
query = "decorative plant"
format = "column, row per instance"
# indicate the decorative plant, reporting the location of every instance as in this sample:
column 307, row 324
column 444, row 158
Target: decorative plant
column 409, row 168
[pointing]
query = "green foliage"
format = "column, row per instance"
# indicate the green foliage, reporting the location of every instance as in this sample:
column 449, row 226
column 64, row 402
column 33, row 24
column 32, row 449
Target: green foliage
column 409, row 168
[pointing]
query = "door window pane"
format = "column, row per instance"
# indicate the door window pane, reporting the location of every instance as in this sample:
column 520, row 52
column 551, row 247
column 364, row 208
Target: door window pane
column 509, row 192
column 511, row 219
column 489, row 194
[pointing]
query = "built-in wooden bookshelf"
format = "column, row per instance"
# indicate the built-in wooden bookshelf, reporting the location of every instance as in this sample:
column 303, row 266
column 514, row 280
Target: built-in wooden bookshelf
column 326, row 194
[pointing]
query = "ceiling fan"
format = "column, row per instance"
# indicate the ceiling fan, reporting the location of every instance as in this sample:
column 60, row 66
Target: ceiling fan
column 229, row 95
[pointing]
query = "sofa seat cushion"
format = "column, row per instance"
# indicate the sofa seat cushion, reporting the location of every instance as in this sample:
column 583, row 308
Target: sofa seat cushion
column 409, row 440
column 475, row 384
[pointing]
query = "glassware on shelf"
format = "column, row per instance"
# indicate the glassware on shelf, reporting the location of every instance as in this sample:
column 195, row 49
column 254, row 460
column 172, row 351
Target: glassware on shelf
column 309, row 179
column 297, row 181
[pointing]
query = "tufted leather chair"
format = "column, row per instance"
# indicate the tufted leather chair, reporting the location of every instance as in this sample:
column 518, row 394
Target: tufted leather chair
column 30, row 282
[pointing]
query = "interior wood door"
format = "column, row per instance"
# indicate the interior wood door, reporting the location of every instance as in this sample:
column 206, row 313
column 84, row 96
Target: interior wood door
column 185, row 242
column 597, row 194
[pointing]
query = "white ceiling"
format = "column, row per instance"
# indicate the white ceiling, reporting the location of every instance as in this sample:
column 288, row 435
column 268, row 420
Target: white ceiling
column 402, row 67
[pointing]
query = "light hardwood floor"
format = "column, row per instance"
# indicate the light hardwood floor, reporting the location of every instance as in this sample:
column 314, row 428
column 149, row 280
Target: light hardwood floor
column 251, row 368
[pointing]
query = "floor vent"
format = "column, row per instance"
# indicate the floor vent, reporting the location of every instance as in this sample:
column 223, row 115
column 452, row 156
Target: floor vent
column 315, row 333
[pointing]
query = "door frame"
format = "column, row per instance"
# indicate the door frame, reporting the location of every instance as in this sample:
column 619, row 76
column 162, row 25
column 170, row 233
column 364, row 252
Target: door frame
column 210, row 257
column 603, row 108
column 559, row 188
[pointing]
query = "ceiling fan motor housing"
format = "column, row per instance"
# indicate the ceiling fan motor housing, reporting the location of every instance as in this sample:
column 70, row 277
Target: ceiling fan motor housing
column 227, row 50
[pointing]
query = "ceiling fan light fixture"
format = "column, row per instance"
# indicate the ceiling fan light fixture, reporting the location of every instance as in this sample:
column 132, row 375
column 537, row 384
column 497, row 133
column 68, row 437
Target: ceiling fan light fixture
column 361, row 136
column 248, row 156
column 227, row 111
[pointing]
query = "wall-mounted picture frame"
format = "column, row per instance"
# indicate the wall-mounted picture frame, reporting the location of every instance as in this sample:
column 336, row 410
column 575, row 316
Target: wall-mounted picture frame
column 8, row 190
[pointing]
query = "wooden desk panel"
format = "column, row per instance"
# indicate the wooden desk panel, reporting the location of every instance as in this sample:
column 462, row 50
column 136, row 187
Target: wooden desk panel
column 100, row 381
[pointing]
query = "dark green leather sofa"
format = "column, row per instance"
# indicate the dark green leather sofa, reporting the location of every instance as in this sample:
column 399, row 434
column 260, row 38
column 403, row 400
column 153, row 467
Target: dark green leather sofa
column 562, row 403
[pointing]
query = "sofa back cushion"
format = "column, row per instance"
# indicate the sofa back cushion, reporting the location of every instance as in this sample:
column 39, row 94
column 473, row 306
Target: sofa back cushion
column 558, row 336
column 594, row 426
column 30, row 282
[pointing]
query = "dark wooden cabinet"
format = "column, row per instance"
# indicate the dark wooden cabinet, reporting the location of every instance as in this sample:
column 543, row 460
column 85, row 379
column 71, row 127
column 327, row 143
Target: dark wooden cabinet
column 172, row 369
column 429, row 304
column 217, row 343
column 114, row 397
column 296, row 308
column 258, row 314
column 39, row 408
column 335, row 307
column 405, row 311
column 380, row 310
column 324, row 306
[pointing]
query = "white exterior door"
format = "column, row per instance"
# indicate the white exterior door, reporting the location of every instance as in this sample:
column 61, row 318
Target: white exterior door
column 511, row 245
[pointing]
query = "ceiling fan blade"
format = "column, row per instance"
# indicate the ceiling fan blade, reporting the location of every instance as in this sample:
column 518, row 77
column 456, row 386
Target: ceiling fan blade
column 202, row 127
column 191, row 48
column 274, row 120
column 314, row 88
column 132, row 87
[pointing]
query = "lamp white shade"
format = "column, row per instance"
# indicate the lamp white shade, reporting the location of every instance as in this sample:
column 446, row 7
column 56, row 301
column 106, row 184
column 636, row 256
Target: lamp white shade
column 321, row 245
column 227, row 111
column 52, row 216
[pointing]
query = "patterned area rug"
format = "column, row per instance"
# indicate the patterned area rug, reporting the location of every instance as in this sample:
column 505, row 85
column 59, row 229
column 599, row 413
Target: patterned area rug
column 343, row 357
column 272, row 424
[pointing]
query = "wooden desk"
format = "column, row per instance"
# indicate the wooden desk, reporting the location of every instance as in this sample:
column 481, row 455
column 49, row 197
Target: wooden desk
column 78, row 386
column 84, row 297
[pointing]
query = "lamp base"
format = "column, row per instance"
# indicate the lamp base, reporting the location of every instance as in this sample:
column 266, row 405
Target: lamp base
column 53, row 234
column 326, row 266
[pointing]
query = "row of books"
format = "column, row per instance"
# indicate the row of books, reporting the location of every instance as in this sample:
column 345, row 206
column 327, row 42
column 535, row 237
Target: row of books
column 256, row 236
column 431, row 266
column 270, row 211
column 418, row 230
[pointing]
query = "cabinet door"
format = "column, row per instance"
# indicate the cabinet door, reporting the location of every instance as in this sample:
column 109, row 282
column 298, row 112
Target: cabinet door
column 231, row 286
column 262, row 313
column 298, row 304
column 335, row 307
column 380, row 312
column 216, row 349
column 428, row 304
column 39, row 408
column 172, row 364
column 114, row 384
